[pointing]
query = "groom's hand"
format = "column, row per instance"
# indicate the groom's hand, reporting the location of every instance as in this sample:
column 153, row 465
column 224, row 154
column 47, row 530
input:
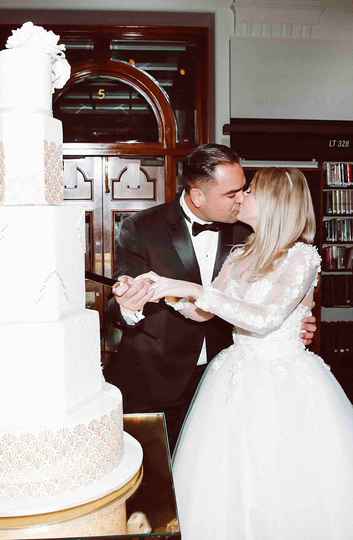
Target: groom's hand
column 308, row 329
column 132, row 294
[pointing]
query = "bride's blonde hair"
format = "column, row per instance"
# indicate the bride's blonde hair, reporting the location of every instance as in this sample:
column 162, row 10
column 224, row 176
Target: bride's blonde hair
column 285, row 215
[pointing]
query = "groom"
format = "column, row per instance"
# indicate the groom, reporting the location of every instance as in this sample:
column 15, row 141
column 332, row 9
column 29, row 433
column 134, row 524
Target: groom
column 162, row 354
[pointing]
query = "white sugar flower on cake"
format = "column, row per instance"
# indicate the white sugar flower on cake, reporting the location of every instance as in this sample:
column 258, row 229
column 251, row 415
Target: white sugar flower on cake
column 36, row 37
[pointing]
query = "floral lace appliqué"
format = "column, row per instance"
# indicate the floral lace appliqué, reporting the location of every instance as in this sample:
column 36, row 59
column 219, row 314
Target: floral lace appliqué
column 258, row 290
column 54, row 173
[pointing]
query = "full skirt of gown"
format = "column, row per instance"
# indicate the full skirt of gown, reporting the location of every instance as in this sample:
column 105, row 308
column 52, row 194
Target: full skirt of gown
column 266, row 451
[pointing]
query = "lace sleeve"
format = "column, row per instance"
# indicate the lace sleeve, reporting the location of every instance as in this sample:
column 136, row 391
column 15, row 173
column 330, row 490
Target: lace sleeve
column 285, row 289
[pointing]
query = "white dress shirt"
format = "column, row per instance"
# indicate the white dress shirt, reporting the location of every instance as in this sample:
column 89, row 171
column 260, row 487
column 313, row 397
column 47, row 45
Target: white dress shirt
column 205, row 246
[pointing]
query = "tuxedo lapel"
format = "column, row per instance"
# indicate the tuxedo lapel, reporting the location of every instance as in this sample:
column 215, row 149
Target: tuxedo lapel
column 229, row 236
column 225, row 243
column 182, row 242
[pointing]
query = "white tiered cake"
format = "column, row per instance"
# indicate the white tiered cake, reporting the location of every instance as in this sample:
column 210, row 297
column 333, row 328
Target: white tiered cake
column 61, row 437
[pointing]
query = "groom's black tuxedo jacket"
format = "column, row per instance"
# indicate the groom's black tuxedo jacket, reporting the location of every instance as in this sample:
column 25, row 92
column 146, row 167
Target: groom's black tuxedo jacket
column 156, row 358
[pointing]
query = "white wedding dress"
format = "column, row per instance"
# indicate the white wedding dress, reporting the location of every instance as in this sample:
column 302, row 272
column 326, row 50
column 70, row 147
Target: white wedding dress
column 266, row 451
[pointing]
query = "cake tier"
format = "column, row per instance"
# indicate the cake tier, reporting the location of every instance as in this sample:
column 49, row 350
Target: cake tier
column 21, row 67
column 48, row 369
column 37, row 464
column 31, row 169
column 42, row 263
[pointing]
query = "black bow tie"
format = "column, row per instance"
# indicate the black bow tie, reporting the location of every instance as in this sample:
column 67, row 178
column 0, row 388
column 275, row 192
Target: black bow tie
column 197, row 228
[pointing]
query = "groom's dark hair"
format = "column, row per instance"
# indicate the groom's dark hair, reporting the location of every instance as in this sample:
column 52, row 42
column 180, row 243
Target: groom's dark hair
column 200, row 164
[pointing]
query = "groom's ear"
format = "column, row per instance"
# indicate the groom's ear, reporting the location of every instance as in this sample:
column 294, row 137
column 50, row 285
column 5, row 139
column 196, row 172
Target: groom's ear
column 197, row 196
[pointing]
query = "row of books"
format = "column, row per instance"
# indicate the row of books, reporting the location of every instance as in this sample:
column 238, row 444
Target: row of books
column 339, row 201
column 337, row 340
column 337, row 291
column 339, row 174
column 337, row 258
column 338, row 229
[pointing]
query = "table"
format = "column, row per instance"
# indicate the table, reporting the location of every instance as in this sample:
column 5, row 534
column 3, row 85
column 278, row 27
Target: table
column 150, row 501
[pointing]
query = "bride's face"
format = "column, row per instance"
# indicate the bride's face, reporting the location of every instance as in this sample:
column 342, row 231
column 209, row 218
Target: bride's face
column 247, row 212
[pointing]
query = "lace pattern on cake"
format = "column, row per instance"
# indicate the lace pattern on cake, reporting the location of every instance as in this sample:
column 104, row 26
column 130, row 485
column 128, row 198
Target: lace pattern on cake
column 50, row 462
column 54, row 173
column 3, row 230
column 49, row 281
column 2, row 171
column 80, row 231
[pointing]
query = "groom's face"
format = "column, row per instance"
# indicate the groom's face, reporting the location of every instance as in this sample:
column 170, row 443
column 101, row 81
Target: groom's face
column 220, row 199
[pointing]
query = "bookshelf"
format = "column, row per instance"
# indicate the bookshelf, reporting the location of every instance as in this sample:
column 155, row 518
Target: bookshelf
column 337, row 268
column 323, row 151
column 337, row 211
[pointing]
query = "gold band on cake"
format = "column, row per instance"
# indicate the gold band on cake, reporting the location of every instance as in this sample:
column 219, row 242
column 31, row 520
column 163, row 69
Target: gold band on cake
column 59, row 516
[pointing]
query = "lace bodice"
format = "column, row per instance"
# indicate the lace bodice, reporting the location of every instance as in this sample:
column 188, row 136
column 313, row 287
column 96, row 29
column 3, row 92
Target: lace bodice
column 270, row 308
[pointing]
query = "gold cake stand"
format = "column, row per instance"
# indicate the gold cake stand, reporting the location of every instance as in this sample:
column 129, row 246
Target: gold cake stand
column 125, row 491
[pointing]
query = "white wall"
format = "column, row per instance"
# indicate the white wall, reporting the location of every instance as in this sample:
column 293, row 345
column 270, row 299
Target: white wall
column 287, row 78
column 292, row 60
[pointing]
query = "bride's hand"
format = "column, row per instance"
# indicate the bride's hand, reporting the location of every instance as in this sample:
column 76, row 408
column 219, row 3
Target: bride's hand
column 160, row 285
column 163, row 286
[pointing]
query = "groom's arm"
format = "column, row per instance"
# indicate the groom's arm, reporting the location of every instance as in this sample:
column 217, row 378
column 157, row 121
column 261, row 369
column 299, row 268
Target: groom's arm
column 309, row 324
column 132, row 258
column 132, row 261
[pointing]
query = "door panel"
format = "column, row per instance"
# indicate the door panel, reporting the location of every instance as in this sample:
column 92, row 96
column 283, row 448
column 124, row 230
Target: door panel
column 131, row 184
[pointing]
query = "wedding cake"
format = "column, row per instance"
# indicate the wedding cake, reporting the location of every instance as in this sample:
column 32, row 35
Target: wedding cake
column 61, row 436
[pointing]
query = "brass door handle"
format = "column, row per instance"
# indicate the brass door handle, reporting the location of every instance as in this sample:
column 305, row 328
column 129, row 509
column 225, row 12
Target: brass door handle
column 106, row 176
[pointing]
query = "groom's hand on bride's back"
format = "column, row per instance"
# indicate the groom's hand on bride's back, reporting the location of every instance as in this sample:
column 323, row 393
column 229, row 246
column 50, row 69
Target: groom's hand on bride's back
column 132, row 294
column 308, row 330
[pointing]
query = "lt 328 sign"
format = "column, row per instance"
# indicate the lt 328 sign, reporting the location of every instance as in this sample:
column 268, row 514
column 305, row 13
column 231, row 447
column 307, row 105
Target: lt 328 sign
column 339, row 143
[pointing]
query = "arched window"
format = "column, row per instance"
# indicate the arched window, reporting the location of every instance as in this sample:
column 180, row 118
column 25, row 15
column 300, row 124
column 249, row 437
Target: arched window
column 105, row 109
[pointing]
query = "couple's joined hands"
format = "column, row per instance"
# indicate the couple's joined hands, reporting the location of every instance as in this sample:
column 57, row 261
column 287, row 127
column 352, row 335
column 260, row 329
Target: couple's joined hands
column 133, row 293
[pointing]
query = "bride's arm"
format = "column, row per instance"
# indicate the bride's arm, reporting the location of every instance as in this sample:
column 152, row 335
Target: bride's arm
column 285, row 290
column 166, row 287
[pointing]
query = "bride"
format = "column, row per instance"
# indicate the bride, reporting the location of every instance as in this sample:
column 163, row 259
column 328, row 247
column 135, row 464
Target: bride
column 266, row 451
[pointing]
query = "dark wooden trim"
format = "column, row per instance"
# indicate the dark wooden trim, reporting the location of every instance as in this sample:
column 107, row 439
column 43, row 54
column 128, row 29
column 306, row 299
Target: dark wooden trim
column 131, row 32
column 89, row 258
column 103, row 18
column 121, row 149
column 211, row 83
column 314, row 127
column 170, row 178
column 277, row 139
column 205, row 101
